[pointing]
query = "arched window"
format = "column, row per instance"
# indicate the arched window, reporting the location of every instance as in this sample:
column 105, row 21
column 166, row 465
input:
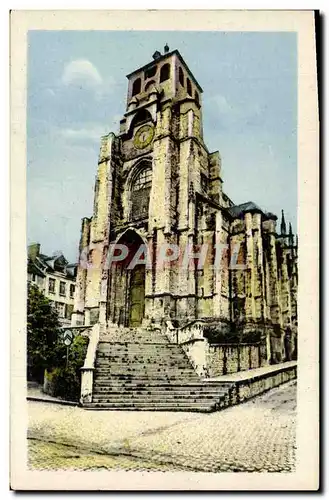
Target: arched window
column 189, row 86
column 143, row 180
column 140, row 117
column 140, row 193
column 150, row 72
column 165, row 72
column 137, row 86
column 149, row 85
column 196, row 97
column 181, row 77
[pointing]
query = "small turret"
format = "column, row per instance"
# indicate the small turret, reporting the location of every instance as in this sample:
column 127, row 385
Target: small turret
column 283, row 224
column 291, row 236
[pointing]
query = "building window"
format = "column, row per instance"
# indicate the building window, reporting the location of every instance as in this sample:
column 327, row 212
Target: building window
column 143, row 180
column 72, row 290
column 51, row 285
column 196, row 97
column 181, row 77
column 141, row 116
column 62, row 288
column 140, row 194
column 189, row 87
column 68, row 311
column 60, row 308
column 150, row 72
column 149, row 84
column 165, row 72
column 204, row 183
column 137, row 86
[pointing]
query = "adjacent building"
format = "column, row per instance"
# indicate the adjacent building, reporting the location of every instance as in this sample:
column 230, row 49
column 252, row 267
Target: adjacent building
column 55, row 277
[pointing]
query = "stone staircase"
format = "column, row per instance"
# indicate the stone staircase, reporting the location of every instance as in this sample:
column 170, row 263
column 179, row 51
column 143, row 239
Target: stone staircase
column 138, row 369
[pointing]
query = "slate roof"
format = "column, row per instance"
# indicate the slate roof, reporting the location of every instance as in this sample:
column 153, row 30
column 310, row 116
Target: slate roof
column 238, row 210
column 249, row 206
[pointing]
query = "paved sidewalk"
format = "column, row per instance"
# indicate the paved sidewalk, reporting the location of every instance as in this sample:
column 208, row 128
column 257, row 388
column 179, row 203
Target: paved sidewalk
column 255, row 436
column 35, row 393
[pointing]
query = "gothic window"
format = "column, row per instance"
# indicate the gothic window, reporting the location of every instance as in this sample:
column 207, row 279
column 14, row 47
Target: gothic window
column 165, row 72
column 142, row 116
column 196, row 97
column 140, row 194
column 143, row 180
column 204, row 183
column 150, row 72
column 137, row 86
column 189, row 87
column 149, row 85
column 181, row 77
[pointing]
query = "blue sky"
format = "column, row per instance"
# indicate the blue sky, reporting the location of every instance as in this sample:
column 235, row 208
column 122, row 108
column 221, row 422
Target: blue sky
column 76, row 92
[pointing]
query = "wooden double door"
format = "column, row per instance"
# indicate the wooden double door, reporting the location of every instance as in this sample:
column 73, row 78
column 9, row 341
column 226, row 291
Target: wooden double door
column 136, row 300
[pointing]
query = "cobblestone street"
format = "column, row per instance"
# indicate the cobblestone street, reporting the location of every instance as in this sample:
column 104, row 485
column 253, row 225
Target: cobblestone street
column 256, row 436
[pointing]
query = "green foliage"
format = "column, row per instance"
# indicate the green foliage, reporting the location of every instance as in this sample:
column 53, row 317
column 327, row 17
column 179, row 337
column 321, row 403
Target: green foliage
column 66, row 377
column 42, row 333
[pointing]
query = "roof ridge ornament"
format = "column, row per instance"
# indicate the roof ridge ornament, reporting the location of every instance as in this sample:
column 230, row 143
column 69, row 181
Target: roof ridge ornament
column 156, row 55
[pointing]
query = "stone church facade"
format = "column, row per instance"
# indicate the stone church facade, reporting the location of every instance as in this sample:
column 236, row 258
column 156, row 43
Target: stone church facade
column 200, row 257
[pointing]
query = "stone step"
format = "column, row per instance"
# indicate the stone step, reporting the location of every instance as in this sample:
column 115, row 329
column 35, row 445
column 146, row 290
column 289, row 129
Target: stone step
column 142, row 380
column 140, row 347
column 147, row 339
column 152, row 367
column 140, row 369
column 155, row 401
column 140, row 361
column 155, row 396
column 146, row 345
column 194, row 407
column 141, row 354
column 162, row 388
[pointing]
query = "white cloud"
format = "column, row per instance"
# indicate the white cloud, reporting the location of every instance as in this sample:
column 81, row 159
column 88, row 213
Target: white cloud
column 82, row 72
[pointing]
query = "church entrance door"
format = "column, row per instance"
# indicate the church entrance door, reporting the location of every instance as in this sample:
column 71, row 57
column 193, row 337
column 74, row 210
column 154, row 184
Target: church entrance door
column 137, row 296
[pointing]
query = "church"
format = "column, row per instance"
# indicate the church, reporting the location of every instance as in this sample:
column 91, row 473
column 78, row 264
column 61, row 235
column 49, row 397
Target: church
column 201, row 263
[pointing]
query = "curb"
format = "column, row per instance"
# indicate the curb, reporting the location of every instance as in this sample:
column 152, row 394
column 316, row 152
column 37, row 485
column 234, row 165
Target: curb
column 56, row 401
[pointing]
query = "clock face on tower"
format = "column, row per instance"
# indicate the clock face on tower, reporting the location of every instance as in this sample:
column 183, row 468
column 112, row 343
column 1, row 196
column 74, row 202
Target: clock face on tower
column 143, row 136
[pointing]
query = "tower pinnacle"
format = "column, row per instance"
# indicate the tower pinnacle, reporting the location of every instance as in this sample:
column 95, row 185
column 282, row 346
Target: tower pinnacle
column 283, row 224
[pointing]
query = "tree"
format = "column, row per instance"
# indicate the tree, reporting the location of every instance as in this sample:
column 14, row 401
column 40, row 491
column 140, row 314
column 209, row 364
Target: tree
column 42, row 333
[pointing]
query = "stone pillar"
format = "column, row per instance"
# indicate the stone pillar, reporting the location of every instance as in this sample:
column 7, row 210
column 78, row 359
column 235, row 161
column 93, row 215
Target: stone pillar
column 218, row 262
column 80, row 287
column 285, row 291
column 97, row 275
column 275, row 306
column 260, row 301
column 250, row 271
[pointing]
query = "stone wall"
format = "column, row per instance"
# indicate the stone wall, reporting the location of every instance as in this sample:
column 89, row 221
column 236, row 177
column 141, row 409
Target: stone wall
column 231, row 358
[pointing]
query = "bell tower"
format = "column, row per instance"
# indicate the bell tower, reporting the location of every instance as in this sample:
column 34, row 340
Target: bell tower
column 148, row 178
